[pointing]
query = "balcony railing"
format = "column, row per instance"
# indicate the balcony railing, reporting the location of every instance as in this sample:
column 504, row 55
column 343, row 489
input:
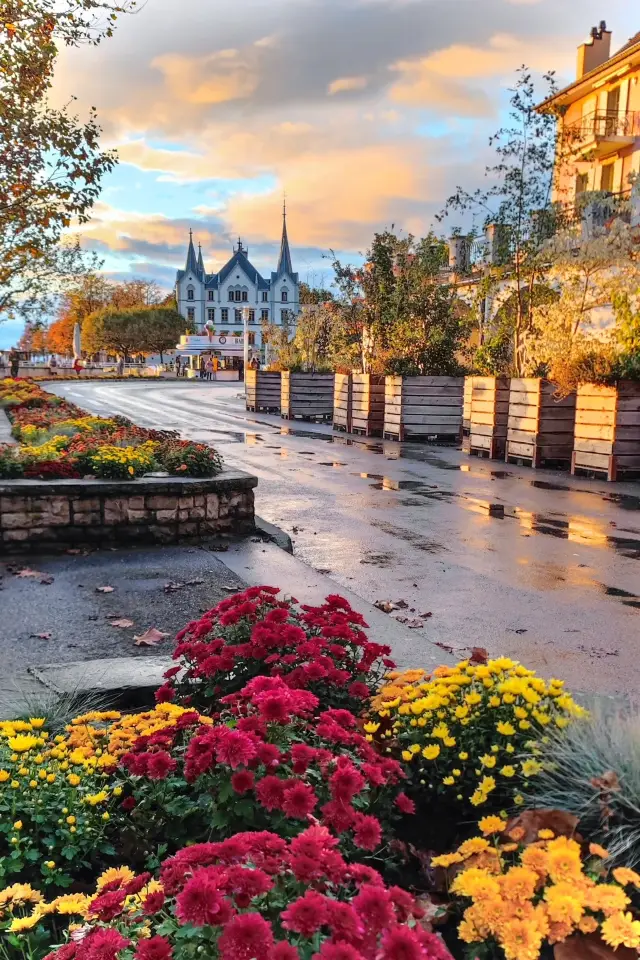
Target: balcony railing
column 602, row 125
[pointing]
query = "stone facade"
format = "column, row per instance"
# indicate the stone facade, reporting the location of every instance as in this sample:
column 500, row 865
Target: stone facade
column 67, row 513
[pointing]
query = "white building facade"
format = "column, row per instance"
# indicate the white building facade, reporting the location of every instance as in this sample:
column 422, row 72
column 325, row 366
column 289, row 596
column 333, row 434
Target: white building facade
column 214, row 304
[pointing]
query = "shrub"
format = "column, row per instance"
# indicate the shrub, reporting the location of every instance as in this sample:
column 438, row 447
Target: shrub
column 467, row 733
column 10, row 466
column 257, row 896
column 322, row 649
column 519, row 899
column 270, row 762
column 183, row 458
column 54, row 809
column 593, row 770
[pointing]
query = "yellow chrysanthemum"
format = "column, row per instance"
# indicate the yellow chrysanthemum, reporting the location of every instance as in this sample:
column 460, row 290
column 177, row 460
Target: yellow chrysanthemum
column 597, row 851
column 476, row 883
column 21, row 924
column 431, row 751
column 23, row 743
column 121, row 874
column 492, row 824
column 625, row 876
column 519, row 883
column 621, row 930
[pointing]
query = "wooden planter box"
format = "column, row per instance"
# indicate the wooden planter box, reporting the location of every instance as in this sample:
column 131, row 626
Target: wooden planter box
column 307, row 395
column 367, row 417
column 262, row 390
column 466, row 412
column 607, row 436
column 423, row 408
column 540, row 427
column 342, row 402
column 489, row 416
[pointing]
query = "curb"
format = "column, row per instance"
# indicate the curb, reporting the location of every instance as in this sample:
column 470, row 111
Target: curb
column 274, row 534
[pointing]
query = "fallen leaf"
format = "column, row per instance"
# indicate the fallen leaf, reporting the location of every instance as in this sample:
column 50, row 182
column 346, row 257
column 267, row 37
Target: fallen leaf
column 415, row 625
column 173, row 586
column 122, row 622
column 528, row 823
column 150, row 638
column 425, row 616
column 385, row 605
column 401, row 604
column 195, row 582
column 41, row 636
column 591, row 947
column 36, row 574
column 443, row 646
column 105, row 589
column 478, row 655
column 401, row 619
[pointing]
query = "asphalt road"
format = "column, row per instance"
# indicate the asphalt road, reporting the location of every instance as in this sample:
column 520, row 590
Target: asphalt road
column 554, row 583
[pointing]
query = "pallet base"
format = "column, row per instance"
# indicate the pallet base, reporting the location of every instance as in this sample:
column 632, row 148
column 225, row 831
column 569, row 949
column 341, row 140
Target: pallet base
column 611, row 472
column 309, row 418
column 495, row 451
column 537, row 461
column 365, row 432
column 342, row 427
column 263, row 409
column 442, row 439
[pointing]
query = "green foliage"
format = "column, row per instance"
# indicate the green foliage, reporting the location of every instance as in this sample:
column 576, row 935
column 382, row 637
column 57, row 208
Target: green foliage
column 126, row 330
column 592, row 770
column 11, row 467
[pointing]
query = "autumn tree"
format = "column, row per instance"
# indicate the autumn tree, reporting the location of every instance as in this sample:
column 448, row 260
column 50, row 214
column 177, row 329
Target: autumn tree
column 136, row 293
column 114, row 330
column 161, row 328
column 51, row 164
column 81, row 297
column 519, row 200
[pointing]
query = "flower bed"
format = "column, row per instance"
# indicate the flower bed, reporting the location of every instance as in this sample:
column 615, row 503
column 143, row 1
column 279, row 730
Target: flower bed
column 58, row 440
column 272, row 807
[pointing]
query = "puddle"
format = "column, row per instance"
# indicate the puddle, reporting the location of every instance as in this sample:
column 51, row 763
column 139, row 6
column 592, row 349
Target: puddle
column 546, row 485
column 331, row 463
column 578, row 530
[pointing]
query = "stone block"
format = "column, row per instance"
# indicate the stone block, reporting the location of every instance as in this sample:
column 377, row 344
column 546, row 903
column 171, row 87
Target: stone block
column 209, row 527
column 115, row 510
column 199, row 500
column 14, row 504
column 157, row 502
column 51, row 511
column 135, row 503
column 10, row 536
column 196, row 513
column 14, row 521
column 213, row 506
column 136, row 515
column 45, row 533
column 163, row 516
column 185, row 502
column 86, row 504
column 85, row 519
column 229, row 504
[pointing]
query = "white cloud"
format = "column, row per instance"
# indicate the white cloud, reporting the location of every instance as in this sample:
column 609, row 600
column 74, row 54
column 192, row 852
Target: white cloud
column 345, row 84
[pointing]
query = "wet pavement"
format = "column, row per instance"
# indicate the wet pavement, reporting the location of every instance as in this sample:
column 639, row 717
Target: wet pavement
column 535, row 565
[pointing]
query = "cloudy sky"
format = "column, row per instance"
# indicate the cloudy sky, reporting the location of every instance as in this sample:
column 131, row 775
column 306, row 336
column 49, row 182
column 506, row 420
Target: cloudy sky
column 366, row 112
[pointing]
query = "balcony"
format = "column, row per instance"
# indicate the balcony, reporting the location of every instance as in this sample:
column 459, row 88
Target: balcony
column 601, row 133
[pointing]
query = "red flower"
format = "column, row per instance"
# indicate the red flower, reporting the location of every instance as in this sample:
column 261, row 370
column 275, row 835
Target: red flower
column 155, row 948
column 235, row 749
column 299, row 801
column 247, row 936
column 164, row 694
column 137, row 884
column 405, row 804
column 153, row 903
column 367, row 832
column 270, row 793
column 128, row 804
column 284, row 951
column 373, row 905
column 346, row 782
column 306, row 915
column 343, row 921
column 201, row 902
column 242, row 781
column 160, row 765
column 401, row 943
column 108, row 906
column 101, row 944
column 359, row 689
column 337, row 816
column 331, row 950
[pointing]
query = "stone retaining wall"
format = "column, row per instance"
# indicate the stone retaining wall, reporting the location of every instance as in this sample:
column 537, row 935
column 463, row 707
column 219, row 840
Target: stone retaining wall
column 66, row 513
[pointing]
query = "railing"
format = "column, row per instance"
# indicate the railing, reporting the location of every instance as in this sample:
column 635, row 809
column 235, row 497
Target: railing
column 603, row 125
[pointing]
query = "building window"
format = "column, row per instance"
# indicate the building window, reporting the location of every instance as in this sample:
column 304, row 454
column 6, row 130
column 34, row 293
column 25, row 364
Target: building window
column 245, row 296
column 582, row 183
column 190, row 293
column 224, row 314
column 210, row 295
column 252, row 339
column 284, row 316
column 285, row 296
column 238, row 296
column 231, row 295
column 211, row 315
column 238, row 315
column 252, row 316
column 191, row 313
column 265, row 296
column 606, row 181
column 264, row 316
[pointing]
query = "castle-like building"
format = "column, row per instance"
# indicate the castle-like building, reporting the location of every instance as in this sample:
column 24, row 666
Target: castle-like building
column 214, row 304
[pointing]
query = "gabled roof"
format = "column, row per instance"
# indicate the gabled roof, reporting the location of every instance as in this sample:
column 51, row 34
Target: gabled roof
column 241, row 261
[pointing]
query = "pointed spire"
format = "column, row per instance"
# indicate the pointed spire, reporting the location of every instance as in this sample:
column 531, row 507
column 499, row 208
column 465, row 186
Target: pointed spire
column 192, row 263
column 200, row 260
column 284, row 262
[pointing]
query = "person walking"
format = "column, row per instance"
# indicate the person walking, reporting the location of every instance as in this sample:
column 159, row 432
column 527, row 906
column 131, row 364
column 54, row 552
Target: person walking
column 14, row 363
column 216, row 366
column 53, row 367
column 77, row 365
column 209, row 368
column 178, row 362
column 201, row 368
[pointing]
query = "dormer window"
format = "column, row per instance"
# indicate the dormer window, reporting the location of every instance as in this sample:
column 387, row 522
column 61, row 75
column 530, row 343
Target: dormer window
column 231, row 296
column 210, row 294
column 285, row 296
column 265, row 296
column 190, row 293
